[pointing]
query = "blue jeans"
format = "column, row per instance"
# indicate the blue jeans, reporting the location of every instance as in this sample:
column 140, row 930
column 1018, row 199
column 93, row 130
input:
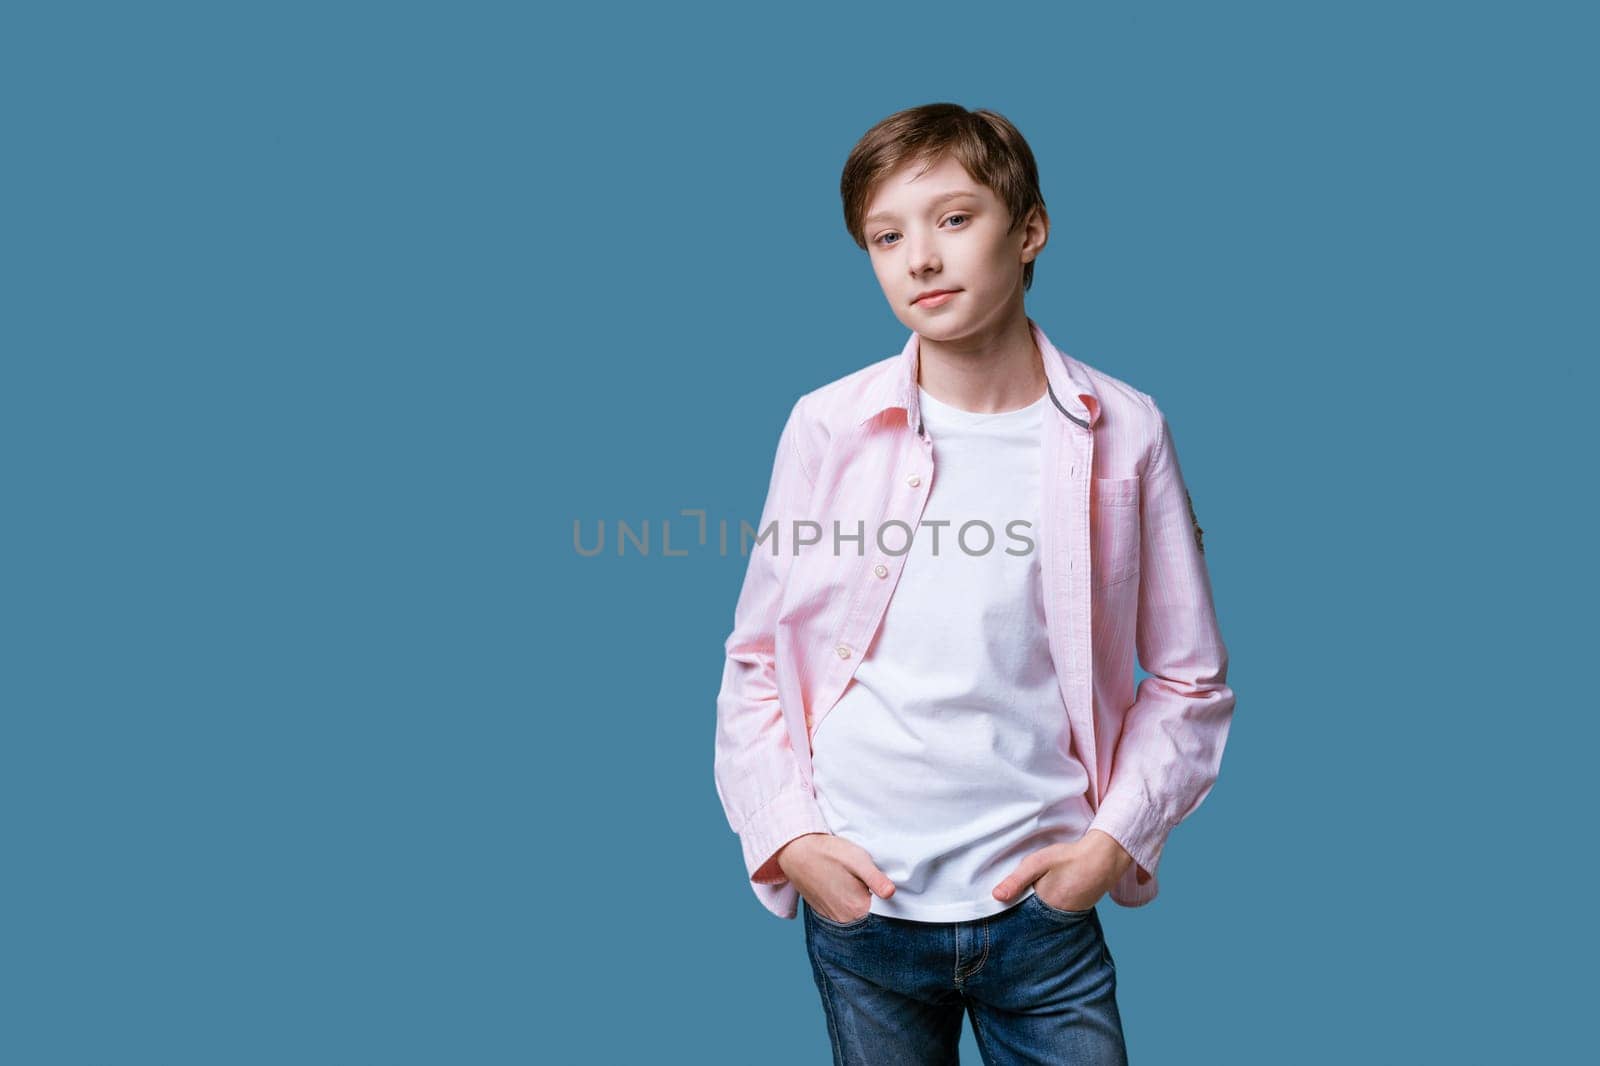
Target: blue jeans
column 1039, row 983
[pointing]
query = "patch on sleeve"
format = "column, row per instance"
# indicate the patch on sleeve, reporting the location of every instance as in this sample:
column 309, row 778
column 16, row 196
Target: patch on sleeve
column 1198, row 543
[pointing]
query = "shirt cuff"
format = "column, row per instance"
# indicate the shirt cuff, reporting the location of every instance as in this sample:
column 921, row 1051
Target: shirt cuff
column 790, row 814
column 1137, row 827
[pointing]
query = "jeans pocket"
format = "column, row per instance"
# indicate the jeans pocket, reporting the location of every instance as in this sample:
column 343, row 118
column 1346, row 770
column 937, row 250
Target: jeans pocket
column 1056, row 913
column 856, row 923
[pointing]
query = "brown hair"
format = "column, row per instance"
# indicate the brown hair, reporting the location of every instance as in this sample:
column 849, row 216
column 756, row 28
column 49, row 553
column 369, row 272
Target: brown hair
column 985, row 143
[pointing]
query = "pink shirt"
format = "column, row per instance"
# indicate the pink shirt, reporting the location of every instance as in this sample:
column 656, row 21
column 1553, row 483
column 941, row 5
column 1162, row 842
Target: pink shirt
column 1123, row 569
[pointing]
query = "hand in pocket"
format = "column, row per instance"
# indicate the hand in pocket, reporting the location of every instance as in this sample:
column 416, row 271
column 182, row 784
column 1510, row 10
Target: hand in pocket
column 835, row 876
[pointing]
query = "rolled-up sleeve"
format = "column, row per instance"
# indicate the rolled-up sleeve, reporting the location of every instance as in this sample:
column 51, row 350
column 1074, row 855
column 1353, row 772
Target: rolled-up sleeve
column 1170, row 750
column 758, row 777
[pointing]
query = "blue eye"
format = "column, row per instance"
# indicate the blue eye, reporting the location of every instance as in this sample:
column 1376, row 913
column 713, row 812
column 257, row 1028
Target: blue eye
column 881, row 238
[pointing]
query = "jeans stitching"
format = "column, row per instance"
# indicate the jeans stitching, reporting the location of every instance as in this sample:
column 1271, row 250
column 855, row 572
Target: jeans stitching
column 833, row 1028
column 1060, row 911
column 827, row 1002
column 858, row 923
column 955, row 938
column 985, row 957
column 978, row 1034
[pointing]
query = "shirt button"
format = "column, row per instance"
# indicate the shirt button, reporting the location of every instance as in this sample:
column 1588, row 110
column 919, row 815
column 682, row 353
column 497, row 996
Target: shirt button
column 913, row 481
column 881, row 570
column 844, row 651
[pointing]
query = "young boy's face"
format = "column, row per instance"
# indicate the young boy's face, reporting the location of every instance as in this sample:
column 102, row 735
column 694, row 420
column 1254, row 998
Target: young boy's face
column 920, row 240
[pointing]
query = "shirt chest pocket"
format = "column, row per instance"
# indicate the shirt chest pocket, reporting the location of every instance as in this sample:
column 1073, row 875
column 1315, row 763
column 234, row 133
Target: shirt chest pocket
column 1114, row 529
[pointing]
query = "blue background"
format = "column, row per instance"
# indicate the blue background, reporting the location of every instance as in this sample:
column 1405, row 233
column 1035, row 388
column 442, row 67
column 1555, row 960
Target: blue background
column 324, row 323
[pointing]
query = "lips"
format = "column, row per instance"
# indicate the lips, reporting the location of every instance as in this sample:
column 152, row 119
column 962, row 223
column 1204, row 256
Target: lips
column 937, row 294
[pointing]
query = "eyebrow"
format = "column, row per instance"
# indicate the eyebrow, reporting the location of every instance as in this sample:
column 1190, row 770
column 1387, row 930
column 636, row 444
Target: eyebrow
column 889, row 216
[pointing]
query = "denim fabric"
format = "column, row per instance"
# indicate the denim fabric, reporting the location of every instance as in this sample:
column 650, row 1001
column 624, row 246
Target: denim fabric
column 1039, row 984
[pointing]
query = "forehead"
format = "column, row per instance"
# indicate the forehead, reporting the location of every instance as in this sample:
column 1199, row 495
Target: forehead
column 914, row 185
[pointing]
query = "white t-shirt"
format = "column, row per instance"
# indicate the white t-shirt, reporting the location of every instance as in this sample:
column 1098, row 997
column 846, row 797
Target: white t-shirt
column 948, row 757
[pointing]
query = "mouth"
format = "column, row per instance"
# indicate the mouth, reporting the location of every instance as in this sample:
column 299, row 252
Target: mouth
column 934, row 298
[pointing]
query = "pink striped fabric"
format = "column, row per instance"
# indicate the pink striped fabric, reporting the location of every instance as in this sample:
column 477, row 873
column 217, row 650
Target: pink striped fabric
column 1123, row 569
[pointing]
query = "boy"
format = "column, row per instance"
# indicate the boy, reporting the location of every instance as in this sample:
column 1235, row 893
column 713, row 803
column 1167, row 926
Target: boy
column 927, row 727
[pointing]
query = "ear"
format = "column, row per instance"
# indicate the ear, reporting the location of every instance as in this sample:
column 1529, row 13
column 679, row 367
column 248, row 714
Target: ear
column 1035, row 233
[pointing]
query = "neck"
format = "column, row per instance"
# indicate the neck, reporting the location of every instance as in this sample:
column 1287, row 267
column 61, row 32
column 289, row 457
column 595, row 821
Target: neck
column 986, row 373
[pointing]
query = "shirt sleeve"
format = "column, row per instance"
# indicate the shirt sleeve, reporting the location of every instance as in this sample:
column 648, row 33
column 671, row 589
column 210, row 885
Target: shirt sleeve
column 1167, row 758
column 758, row 778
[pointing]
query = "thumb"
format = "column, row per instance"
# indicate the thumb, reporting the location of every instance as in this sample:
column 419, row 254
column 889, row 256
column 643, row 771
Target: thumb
column 1029, row 870
column 872, row 877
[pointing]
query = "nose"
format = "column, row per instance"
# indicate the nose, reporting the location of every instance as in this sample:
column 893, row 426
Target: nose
column 921, row 257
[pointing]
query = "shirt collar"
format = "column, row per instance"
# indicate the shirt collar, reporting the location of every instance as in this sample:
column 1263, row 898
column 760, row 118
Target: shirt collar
column 1069, row 387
